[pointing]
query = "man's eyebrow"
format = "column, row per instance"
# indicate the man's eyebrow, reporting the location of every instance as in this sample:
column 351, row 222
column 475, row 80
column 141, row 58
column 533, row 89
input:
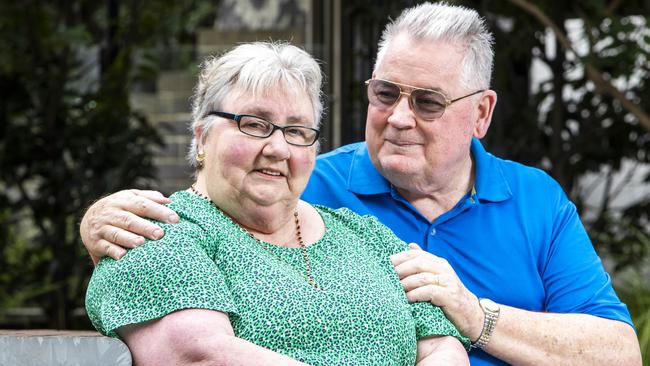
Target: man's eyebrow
column 434, row 88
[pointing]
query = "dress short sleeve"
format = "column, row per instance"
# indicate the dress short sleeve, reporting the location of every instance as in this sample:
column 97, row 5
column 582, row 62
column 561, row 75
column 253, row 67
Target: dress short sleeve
column 156, row 279
column 429, row 319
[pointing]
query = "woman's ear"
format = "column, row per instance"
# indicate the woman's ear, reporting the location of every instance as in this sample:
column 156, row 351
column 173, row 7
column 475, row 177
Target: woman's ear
column 200, row 137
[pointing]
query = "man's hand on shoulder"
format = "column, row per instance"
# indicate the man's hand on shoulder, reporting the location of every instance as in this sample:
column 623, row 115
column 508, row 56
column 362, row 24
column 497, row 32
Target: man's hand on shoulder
column 426, row 277
column 119, row 221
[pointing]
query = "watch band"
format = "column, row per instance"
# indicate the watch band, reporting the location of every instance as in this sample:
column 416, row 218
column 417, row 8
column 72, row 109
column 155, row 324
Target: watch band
column 491, row 311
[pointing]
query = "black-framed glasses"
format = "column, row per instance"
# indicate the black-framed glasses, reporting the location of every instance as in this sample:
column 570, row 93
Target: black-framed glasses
column 426, row 103
column 259, row 127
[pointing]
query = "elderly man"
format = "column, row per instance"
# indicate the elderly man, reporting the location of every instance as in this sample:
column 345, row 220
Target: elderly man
column 504, row 252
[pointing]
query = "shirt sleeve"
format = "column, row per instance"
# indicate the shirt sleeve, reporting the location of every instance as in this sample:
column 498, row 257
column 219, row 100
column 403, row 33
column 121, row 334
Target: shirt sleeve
column 574, row 278
column 429, row 319
column 156, row 279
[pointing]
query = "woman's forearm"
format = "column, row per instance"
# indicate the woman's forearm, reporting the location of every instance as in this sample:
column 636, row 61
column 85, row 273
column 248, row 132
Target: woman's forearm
column 220, row 349
column 195, row 337
column 231, row 350
column 442, row 350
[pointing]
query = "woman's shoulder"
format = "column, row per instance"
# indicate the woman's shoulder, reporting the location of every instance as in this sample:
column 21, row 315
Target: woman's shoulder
column 196, row 210
column 377, row 235
column 200, row 222
column 344, row 216
column 190, row 206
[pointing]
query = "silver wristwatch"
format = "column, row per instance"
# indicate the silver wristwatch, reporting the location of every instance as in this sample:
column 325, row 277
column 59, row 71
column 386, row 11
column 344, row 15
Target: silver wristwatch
column 491, row 310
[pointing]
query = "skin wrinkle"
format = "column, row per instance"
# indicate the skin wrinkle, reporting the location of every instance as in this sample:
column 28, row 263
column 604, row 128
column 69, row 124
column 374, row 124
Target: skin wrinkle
column 438, row 166
column 236, row 183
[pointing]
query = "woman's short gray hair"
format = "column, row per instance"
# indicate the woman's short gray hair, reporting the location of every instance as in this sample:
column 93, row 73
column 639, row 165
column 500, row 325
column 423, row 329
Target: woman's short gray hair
column 258, row 68
column 451, row 23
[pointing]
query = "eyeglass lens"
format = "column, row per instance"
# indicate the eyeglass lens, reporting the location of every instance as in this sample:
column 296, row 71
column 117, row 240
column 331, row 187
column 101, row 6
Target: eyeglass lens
column 427, row 104
column 296, row 135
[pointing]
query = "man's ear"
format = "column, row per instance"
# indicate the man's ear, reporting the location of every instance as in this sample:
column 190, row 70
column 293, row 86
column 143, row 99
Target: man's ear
column 485, row 109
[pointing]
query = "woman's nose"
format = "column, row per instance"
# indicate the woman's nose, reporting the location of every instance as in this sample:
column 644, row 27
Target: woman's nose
column 276, row 146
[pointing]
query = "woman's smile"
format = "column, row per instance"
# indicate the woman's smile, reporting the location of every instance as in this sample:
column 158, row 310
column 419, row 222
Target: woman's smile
column 270, row 173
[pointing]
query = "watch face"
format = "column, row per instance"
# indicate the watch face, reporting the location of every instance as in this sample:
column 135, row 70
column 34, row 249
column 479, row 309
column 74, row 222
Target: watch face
column 490, row 305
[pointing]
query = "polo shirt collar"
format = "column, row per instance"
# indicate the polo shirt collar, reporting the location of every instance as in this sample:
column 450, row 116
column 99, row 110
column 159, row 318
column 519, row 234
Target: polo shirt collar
column 490, row 182
column 490, row 185
column 363, row 177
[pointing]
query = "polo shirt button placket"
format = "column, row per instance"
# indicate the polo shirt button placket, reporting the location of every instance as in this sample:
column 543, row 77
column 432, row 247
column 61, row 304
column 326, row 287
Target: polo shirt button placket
column 433, row 231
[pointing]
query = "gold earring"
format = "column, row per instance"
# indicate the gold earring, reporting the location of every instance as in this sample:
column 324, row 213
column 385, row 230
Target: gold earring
column 200, row 156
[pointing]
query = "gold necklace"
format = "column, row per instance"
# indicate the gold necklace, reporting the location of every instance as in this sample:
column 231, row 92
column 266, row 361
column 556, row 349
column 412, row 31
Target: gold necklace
column 303, row 248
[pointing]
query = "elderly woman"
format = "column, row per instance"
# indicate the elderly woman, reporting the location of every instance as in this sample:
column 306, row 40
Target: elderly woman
column 252, row 274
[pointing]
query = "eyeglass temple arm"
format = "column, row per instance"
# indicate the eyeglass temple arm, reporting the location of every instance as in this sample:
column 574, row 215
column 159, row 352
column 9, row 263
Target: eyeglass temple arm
column 449, row 102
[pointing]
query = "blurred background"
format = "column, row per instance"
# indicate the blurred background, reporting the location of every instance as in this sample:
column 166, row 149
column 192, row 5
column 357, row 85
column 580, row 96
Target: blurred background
column 94, row 98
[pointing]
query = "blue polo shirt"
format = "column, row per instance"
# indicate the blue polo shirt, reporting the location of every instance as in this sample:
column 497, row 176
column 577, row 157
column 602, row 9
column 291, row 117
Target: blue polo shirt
column 515, row 239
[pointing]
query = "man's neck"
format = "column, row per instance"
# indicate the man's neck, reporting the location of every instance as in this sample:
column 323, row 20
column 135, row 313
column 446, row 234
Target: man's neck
column 444, row 193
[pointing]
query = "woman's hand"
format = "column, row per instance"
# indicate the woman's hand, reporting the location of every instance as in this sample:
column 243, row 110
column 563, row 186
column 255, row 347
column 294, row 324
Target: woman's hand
column 116, row 222
column 426, row 277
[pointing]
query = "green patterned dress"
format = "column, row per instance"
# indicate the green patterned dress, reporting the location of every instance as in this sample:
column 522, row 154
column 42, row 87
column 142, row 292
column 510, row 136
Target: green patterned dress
column 360, row 317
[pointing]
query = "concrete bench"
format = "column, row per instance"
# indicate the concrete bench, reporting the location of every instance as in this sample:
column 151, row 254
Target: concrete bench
column 53, row 348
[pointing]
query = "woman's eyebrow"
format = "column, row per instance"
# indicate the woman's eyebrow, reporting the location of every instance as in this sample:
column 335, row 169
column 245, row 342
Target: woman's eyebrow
column 268, row 115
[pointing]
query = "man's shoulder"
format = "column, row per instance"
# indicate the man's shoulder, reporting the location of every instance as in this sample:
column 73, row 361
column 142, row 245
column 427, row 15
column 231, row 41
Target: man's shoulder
column 334, row 167
column 525, row 175
column 340, row 155
column 330, row 182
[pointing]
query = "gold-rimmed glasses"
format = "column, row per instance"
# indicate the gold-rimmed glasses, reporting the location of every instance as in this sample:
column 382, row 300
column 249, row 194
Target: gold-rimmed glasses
column 426, row 103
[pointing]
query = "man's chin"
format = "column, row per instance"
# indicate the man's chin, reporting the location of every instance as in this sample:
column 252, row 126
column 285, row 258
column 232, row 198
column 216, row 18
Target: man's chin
column 398, row 165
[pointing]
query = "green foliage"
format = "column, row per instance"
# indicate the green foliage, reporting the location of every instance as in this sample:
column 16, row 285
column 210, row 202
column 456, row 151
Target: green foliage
column 68, row 135
column 568, row 124
column 635, row 292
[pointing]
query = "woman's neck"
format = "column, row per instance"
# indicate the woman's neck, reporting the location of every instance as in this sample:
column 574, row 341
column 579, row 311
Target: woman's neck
column 274, row 224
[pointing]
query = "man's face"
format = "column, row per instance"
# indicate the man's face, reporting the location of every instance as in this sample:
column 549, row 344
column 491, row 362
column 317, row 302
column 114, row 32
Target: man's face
column 412, row 153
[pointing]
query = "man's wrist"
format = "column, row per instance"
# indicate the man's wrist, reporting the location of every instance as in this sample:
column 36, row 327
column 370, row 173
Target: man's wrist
column 491, row 311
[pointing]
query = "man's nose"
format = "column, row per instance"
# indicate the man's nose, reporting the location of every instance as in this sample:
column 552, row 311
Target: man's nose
column 402, row 115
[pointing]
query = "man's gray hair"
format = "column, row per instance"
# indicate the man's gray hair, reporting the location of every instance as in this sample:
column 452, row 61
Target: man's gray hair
column 450, row 23
column 257, row 68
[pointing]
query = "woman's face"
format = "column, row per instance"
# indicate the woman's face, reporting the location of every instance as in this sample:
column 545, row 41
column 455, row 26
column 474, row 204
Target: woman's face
column 241, row 171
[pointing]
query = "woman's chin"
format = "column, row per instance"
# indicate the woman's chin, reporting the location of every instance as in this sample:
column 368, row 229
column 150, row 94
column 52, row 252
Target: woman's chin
column 267, row 199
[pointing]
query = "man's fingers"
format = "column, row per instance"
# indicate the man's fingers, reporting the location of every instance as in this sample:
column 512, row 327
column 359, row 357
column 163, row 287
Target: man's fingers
column 152, row 195
column 429, row 293
column 414, row 246
column 419, row 264
column 144, row 207
column 119, row 220
column 401, row 257
column 128, row 229
column 105, row 248
column 420, row 280
column 123, row 238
